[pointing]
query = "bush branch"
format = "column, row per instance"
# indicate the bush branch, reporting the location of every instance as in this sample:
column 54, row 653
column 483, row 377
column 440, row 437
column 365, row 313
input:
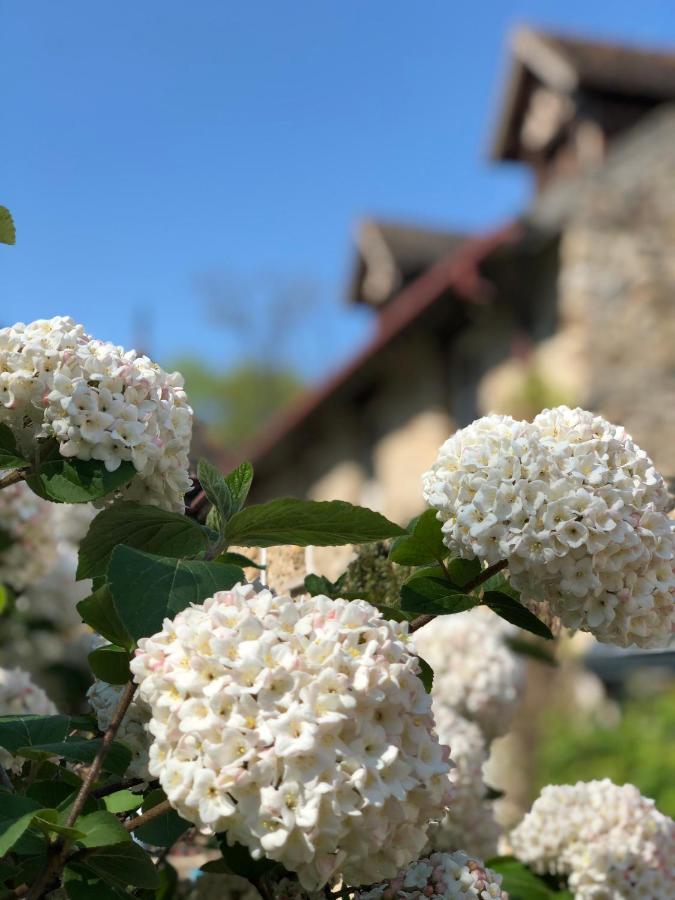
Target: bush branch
column 12, row 477
column 148, row 816
column 484, row 576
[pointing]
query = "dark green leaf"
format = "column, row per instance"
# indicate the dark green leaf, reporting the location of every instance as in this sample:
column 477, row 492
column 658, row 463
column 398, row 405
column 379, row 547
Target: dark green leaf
column 5, row 598
column 500, row 584
column 238, row 559
column 306, row 522
column 238, row 861
column 7, row 230
column 519, row 882
column 16, row 814
column 100, row 829
column 81, row 750
column 166, row 585
column 146, row 528
column 239, row 483
column 77, row 480
column 122, row 801
column 99, row 611
column 423, row 545
column 111, row 664
column 318, row 584
column 530, row 648
column 434, row 596
column 24, row 731
column 493, row 793
column 49, row 793
column 93, row 888
column 123, row 864
column 217, row 491
column 49, row 821
column 9, row 455
column 462, row 571
column 165, row 830
column 6, row 540
column 514, row 611
column 394, row 613
column 426, row 674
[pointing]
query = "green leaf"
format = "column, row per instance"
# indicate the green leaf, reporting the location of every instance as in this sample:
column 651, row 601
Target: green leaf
column 146, row 528
column 49, row 793
column 81, row 750
column 515, row 613
column 318, row 584
column 217, row 491
column 122, row 864
column 165, row 830
column 5, row 595
column 166, row 585
column 9, row 455
column 122, row 801
column 100, row 829
column 111, row 664
column 92, row 887
column 99, row 611
column 519, row 882
column 48, row 821
column 434, row 596
column 426, row 674
column 394, row 613
column 238, row 559
column 77, row 480
column 500, row 584
column 16, row 814
column 239, row 483
column 237, row 860
column 25, row 731
column 306, row 522
column 423, row 545
column 462, row 571
column 530, row 648
column 7, row 230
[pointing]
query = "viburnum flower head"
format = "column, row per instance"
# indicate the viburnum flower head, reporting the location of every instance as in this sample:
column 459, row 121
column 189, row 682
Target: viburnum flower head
column 97, row 401
column 475, row 673
column 29, row 526
column 440, row 875
column 578, row 511
column 104, row 699
column 19, row 696
column 608, row 840
column 298, row 726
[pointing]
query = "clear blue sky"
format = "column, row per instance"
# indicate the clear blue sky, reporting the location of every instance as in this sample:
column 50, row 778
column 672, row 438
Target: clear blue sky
column 147, row 143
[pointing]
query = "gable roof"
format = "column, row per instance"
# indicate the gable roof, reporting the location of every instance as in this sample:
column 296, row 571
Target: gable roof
column 568, row 64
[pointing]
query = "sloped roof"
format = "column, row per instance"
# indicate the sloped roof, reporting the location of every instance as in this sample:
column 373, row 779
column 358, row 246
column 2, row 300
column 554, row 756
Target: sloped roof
column 567, row 64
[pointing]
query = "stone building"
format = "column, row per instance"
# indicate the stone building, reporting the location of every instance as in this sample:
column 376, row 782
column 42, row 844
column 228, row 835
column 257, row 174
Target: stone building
column 573, row 302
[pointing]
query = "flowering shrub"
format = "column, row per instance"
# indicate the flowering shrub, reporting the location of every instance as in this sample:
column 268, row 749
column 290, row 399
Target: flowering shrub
column 608, row 840
column 577, row 510
column 296, row 734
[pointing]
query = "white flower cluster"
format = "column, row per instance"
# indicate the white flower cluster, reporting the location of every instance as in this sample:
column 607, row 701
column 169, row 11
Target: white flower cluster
column 475, row 673
column 19, row 696
column 299, row 726
column 97, row 401
column 577, row 510
column 443, row 876
column 27, row 536
column 609, row 841
column 104, row 699
column 469, row 822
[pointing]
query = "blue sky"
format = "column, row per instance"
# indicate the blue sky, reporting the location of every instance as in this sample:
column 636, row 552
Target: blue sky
column 146, row 145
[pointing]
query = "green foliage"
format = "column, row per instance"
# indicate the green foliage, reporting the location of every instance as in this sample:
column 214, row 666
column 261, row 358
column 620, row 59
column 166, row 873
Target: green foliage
column 81, row 750
column 99, row 611
column 111, row 664
column 7, row 230
column 16, row 815
column 639, row 749
column 426, row 674
column 77, row 480
column 122, row 864
column 239, row 483
column 9, row 455
column 166, row 585
column 217, row 492
column 165, row 830
column 101, row 828
column 141, row 527
column 26, row 731
column 514, row 612
column 422, row 545
column 522, row 884
column 435, row 596
column 532, row 649
column 122, row 801
column 319, row 585
column 374, row 576
column 304, row 522
column 236, row 860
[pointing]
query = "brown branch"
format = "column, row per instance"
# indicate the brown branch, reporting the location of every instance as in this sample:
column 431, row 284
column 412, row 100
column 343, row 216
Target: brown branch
column 486, row 574
column 148, row 816
column 4, row 780
column 12, row 477
column 108, row 789
column 56, row 862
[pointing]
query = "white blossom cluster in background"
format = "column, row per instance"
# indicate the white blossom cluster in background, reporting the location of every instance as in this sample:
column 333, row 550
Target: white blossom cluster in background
column 298, row 726
column 469, row 822
column 608, row 840
column 578, row 511
column 19, row 696
column 476, row 673
column 97, row 401
column 27, row 525
column 441, row 875
column 104, row 699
